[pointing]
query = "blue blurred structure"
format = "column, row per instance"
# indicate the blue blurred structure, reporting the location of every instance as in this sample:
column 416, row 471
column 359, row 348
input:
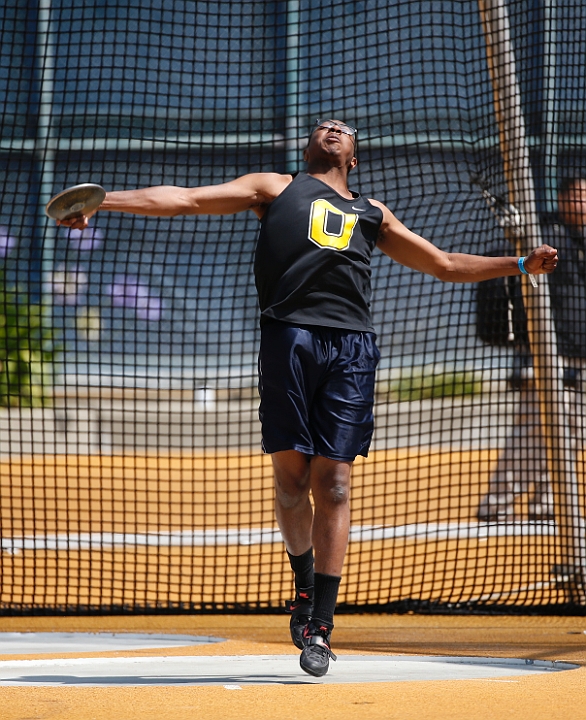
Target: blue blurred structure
column 130, row 94
column 159, row 315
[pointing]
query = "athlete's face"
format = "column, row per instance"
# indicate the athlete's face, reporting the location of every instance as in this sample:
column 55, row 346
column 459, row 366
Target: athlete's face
column 572, row 205
column 333, row 139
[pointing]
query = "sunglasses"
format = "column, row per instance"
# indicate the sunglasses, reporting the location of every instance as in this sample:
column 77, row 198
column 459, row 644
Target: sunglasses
column 342, row 127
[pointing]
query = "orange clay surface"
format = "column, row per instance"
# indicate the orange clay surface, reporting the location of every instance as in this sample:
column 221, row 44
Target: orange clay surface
column 72, row 495
column 555, row 696
column 65, row 495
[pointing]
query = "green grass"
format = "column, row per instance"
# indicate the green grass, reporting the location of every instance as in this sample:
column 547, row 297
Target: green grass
column 423, row 383
column 27, row 350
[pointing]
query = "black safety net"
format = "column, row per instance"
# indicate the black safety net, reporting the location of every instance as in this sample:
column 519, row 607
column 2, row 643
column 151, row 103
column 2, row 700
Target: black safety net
column 132, row 477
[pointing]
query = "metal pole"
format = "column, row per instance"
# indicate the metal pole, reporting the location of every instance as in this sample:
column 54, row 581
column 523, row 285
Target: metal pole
column 541, row 330
column 45, row 145
column 292, row 88
column 550, row 105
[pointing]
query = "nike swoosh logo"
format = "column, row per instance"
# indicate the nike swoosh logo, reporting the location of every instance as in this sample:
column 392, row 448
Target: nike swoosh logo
column 358, row 209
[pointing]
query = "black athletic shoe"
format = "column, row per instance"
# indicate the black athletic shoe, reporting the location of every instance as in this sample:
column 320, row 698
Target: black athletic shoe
column 300, row 609
column 315, row 658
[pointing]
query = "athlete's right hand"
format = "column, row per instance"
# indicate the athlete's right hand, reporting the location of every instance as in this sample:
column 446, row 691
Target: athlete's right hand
column 80, row 222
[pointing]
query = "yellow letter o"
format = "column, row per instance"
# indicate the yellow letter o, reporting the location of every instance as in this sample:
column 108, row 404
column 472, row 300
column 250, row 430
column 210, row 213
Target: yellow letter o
column 318, row 223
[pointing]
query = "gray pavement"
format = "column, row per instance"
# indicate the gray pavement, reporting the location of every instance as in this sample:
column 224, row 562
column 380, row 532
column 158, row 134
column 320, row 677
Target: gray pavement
column 234, row 672
column 38, row 643
column 106, row 425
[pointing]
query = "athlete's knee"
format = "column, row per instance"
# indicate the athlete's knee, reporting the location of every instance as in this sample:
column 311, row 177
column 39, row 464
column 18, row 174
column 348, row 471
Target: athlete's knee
column 339, row 492
column 292, row 492
column 291, row 478
column 331, row 484
column 331, row 497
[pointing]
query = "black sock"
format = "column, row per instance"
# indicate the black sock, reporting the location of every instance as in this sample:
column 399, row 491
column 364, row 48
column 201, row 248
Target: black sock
column 302, row 566
column 325, row 596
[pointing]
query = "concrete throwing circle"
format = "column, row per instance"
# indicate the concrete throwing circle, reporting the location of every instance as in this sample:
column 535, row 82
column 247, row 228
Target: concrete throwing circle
column 233, row 672
column 38, row 643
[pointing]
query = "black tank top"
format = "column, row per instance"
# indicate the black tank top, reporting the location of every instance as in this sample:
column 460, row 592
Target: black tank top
column 312, row 262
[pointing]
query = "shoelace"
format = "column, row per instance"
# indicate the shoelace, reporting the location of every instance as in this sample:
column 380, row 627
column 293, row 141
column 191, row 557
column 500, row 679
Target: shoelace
column 321, row 644
column 318, row 636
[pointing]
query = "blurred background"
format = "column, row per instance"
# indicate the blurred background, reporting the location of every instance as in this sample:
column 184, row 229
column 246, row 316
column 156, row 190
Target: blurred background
column 137, row 337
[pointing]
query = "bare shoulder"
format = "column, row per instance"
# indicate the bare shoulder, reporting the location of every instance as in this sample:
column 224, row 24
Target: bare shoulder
column 268, row 185
column 395, row 239
column 385, row 210
column 266, row 188
column 389, row 221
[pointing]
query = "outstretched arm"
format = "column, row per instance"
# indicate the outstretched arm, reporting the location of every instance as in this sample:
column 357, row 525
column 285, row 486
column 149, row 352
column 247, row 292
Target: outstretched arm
column 249, row 192
column 410, row 249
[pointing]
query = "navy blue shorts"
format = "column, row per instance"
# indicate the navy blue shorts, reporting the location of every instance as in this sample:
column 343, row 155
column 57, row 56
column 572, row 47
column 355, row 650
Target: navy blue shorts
column 317, row 390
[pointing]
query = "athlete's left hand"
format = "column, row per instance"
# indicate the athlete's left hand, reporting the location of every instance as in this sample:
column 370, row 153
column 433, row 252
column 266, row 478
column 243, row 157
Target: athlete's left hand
column 542, row 260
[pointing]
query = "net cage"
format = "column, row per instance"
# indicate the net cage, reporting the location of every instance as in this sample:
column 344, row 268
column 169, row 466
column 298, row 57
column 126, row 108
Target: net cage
column 131, row 472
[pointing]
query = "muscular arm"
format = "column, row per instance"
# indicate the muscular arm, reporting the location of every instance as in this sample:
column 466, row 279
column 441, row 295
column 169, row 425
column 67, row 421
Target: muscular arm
column 410, row 249
column 249, row 192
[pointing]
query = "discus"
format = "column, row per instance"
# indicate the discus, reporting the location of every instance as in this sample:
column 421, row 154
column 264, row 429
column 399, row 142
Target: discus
column 75, row 201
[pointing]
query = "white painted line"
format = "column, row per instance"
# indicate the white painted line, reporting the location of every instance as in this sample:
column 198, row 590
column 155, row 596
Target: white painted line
column 511, row 593
column 260, row 536
column 499, row 681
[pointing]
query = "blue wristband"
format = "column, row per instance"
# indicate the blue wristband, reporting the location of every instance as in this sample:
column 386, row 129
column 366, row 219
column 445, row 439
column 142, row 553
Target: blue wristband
column 521, row 264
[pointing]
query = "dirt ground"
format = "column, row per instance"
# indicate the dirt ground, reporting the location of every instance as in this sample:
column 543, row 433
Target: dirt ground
column 555, row 696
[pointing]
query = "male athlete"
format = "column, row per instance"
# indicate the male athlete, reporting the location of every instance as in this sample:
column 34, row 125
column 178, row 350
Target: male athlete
column 318, row 353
